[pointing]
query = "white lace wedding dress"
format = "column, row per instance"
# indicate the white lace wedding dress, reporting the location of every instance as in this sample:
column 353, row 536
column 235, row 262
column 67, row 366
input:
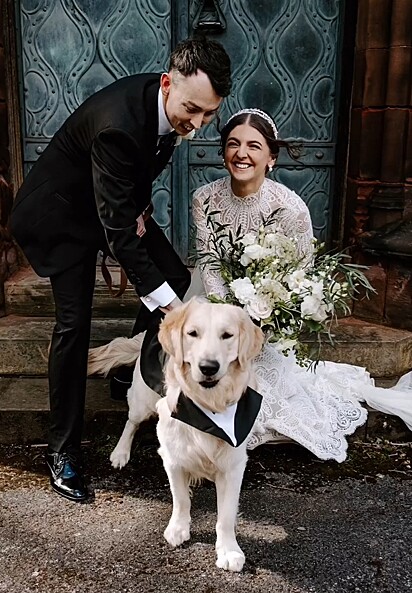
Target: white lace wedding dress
column 317, row 409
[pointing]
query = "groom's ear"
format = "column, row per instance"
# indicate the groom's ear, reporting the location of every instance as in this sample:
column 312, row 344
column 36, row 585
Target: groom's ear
column 165, row 83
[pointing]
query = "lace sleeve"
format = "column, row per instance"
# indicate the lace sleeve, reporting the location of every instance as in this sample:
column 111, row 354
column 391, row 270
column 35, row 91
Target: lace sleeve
column 212, row 281
column 295, row 220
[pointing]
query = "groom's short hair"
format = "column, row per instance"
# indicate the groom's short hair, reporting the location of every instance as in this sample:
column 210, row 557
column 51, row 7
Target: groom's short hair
column 192, row 55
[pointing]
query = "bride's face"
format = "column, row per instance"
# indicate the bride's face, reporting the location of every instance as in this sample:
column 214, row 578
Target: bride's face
column 247, row 157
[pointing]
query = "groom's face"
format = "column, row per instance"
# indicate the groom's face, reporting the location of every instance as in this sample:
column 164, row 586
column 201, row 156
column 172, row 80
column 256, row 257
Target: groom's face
column 190, row 101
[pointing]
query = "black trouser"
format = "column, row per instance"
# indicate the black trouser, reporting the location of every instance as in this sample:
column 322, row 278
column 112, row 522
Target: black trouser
column 178, row 277
column 73, row 296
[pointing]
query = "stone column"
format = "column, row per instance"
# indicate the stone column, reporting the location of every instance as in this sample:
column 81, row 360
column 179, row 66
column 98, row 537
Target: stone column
column 379, row 194
column 10, row 157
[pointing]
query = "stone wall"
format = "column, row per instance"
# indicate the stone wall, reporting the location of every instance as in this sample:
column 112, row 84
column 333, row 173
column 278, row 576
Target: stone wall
column 379, row 189
column 8, row 251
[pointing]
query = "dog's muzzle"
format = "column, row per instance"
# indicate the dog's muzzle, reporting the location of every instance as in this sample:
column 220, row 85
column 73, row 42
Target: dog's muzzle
column 209, row 368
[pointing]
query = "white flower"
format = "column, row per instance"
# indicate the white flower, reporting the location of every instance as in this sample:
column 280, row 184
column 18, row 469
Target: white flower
column 275, row 289
column 271, row 240
column 336, row 289
column 255, row 251
column 285, row 344
column 258, row 308
column 248, row 239
column 317, row 289
column 243, row 289
column 296, row 279
column 245, row 260
column 313, row 308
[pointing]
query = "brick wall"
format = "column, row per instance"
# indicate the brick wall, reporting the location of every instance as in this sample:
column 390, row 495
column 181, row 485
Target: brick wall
column 379, row 189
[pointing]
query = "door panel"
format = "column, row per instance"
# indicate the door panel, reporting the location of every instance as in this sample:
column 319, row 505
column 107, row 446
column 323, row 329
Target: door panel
column 285, row 56
column 70, row 50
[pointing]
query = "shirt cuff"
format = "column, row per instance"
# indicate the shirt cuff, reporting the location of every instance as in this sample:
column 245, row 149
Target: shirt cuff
column 160, row 297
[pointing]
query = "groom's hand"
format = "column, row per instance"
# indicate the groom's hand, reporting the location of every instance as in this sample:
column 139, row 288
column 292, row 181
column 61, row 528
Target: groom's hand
column 175, row 303
column 141, row 228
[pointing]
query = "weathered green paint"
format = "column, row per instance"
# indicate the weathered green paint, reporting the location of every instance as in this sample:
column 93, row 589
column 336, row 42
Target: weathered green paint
column 285, row 56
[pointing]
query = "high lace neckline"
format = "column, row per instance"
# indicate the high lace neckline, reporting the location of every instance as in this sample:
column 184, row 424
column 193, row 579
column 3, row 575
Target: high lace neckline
column 252, row 198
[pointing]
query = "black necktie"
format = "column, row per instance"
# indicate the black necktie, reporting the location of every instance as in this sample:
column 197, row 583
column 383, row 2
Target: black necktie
column 164, row 151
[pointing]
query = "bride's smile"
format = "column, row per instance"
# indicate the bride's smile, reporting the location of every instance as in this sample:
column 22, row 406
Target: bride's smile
column 247, row 158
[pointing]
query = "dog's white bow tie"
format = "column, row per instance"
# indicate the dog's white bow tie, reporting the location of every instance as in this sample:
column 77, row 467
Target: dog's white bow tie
column 233, row 425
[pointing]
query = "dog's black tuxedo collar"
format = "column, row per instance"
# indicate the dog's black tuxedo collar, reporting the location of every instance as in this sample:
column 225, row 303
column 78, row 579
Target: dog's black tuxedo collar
column 233, row 425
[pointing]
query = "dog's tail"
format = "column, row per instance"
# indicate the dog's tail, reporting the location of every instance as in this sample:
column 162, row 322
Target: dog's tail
column 119, row 352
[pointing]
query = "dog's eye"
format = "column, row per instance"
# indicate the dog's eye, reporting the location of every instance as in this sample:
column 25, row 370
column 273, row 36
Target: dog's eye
column 226, row 336
column 192, row 333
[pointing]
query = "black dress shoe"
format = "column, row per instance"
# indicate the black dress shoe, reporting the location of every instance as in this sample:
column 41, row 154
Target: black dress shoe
column 120, row 383
column 65, row 478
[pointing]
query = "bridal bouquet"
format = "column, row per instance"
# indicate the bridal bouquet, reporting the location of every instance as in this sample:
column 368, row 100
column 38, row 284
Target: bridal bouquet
column 288, row 296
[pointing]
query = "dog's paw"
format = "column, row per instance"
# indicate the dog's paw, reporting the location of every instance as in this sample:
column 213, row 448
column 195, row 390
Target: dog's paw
column 119, row 458
column 230, row 560
column 177, row 533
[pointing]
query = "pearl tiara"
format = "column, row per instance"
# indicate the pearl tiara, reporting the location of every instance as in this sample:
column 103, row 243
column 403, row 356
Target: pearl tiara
column 259, row 113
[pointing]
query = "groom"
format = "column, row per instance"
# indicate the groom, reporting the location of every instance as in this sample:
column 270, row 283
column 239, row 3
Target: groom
column 90, row 189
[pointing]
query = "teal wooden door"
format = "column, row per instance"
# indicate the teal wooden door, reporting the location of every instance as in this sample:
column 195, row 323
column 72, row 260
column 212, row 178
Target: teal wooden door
column 73, row 48
column 285, row 56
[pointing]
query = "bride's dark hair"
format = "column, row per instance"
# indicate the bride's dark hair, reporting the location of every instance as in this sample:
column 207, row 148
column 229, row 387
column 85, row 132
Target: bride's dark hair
column 294, row 149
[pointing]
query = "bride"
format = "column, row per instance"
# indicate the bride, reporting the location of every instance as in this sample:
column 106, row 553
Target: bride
column 317, row 409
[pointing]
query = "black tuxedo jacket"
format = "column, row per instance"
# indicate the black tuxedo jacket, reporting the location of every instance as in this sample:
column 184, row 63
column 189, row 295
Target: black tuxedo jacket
column 92, row 182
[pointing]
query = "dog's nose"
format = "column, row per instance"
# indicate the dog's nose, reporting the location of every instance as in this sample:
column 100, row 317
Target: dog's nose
column 209, row 367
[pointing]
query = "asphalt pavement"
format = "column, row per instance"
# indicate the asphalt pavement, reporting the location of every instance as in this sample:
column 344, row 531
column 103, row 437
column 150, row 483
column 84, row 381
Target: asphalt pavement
column 305, row 525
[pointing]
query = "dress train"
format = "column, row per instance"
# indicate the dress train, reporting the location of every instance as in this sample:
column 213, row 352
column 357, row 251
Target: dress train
column 317, row 408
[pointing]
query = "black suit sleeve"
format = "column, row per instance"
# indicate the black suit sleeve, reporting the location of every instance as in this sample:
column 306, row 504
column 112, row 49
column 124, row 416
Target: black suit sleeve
column 122, row 187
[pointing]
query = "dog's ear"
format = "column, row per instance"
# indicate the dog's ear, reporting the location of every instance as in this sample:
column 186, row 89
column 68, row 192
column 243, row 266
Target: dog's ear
column 250, row 340
column 170, row 332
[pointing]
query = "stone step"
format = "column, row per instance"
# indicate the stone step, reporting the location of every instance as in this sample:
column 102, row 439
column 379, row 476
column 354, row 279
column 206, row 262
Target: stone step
column 27, row 294
column 24, row 341
column 384, row 351
column 24, row 415
column 24, row 408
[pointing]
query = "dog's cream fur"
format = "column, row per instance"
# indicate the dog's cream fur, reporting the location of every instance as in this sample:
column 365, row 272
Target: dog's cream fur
column 192, row 335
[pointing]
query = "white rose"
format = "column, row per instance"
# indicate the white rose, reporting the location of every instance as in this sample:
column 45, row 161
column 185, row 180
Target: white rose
column 245, row 260
column 317, row 289
column 313, row 308
column 243, row 290
column 295, row 279
column 249, row 239
column 258, row 308
column 255, row 251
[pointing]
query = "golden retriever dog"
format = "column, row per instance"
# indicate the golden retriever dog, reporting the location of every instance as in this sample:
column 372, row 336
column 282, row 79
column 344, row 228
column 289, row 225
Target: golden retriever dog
column 210, row 351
